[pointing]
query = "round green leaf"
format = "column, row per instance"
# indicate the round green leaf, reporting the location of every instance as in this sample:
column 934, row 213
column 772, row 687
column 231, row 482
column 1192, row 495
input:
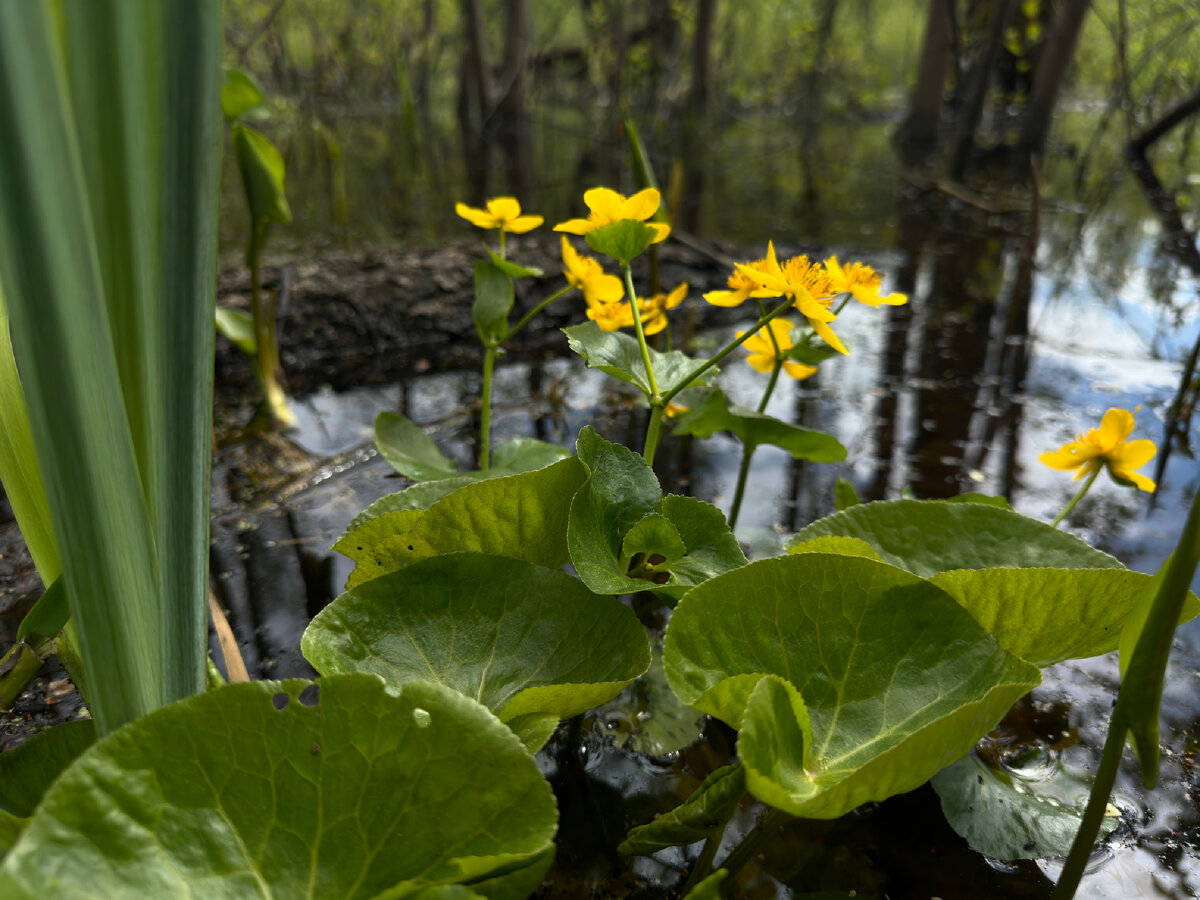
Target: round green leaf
column 523, row 516
column 621, row 240
column 293, row 789
column 520, row 639
column 1048, row 615
column 930, row 536
column 718, row 413
column 896, row 679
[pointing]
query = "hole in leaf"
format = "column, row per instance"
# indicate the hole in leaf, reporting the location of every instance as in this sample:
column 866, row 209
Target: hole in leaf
column 422, row 717
column 280, row 700
column 310, row 696
column 656, row 559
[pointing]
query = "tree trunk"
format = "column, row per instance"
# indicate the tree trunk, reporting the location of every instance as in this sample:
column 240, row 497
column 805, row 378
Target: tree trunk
column 474, row 98
column 979, row 78
column 1052, row 68
column 917, row 137
column 694, row 123
column 513, row 125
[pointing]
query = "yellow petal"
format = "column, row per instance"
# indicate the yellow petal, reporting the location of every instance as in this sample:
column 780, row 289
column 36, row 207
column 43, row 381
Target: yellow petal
column 677, row 296
column 477, row 217
column 661, row 232
column 1133, row 455
column 1138, row 480
column 896, row 299
column 827, row 335
column 604, row 288
column 836, row 275
column 604, row 203
column 761, row 362
column 726, row 298
column 575, row 226
column 799, row 371
column 1068, row 456
column 641, row 205
column 865, row 294
column 781, row 329
column 504, row 208
column 522, row 224
column 654, row 323
column 1114, row 428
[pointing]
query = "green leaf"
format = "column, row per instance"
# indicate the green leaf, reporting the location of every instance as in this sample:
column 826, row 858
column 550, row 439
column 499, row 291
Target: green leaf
column 658, row 723
column 930, row 536
column 26, row 771
column 238, row 326
column 262, row 175
column 1004, row 820
column 11, row 828
column 512, row 269
column 709, row 888
column 718, row 413
column 409, row 450
column 520, row 639
column 493, row 302
column 985, row 499
column 524, row 455
column 48, row 615
column 896, row 679
column 698, row 818
column 1048, row 615
column 710, row 548
column 347, row 791
column 845, row 546
column 620, row 489
column 523, row 516
column 844, row 495
column 621, row 240
column 618, row 354
column 418, row 496
column 239, row 94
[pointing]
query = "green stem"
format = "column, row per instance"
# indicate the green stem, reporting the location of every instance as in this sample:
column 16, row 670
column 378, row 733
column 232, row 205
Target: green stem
column 1093, row 815
column 729, row 348
column 525, row 319
column 485, row 405
column 655, row 400
column 501, row 254
column 1074, row 500
column 754, row 841
column 743, row 471
column 653, row 434
column 703, row 867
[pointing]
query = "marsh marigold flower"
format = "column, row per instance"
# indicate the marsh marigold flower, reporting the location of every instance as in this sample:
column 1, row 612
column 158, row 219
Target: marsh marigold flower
column 1106, row 446
column 804, row 280
column 654, row 309
column 861, row 282
column 585, row 273
column 606, row 206
column 762, row 352
column 741, row 287
column 502, row 212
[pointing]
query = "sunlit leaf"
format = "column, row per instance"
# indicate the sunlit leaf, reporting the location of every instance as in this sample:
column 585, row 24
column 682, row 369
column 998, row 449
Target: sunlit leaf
column 698, row 818
column 845, row 546
column 409, row 450
column 520, row 639
column 931, row 536
column 709, row 888
column 346, row 790
column 895, row 678
column 1048, row 615
column 523, row 516
column 238, row 326
column 618, row 354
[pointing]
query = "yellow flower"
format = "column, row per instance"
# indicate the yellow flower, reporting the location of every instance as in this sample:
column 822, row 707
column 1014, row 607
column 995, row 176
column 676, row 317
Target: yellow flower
column 502, row 212
column 654, row 310
column 607, row 206
column 861, row 282
column 674, row 410
column 588, row 275
column 808, row 283
column 1106, row 446
column 611, row 316
column 762, row 351
column 742, row 287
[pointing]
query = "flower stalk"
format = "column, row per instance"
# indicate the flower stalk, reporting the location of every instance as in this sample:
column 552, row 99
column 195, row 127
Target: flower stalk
column 1075, row 500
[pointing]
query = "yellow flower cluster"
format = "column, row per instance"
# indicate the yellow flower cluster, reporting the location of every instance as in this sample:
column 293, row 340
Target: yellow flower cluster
column 813, row 286
column 1106, row 446
column 653, row 311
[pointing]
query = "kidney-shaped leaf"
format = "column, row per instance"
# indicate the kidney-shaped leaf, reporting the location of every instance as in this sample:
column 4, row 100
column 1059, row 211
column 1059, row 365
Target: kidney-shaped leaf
column 1048, row 615
column 618, row 354
column 892, row 678
column 523, row 516
column 294, row 789
column 520, row 639
column 718, row 413
column 930, row 536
